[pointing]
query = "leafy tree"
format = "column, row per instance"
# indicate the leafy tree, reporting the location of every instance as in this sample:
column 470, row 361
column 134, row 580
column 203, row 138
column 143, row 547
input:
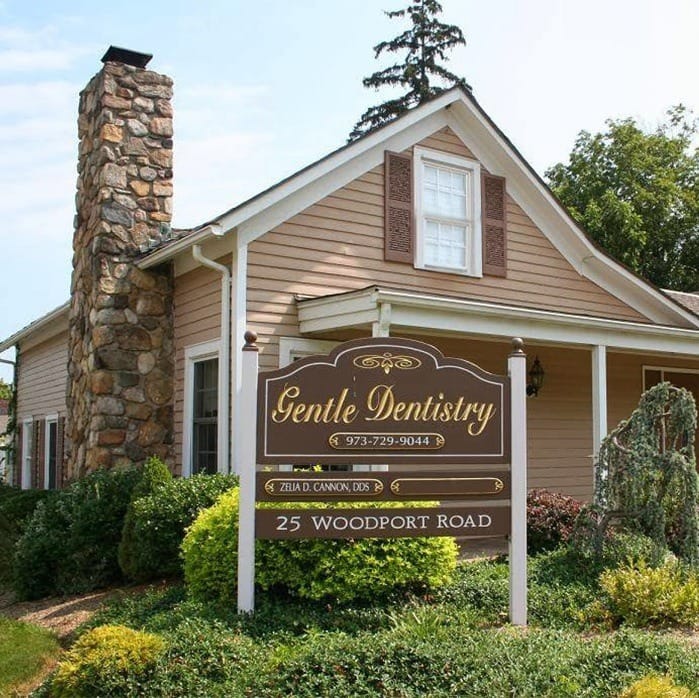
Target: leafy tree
column 426, row 42
column 5, row 390
column 637, row 195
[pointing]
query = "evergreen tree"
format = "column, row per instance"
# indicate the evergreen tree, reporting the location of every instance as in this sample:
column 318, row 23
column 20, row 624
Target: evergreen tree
column 426, row 43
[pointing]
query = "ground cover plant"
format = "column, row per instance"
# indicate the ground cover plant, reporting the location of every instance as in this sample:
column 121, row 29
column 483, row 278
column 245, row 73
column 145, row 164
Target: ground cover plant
column 24, row 651
column 450, row 641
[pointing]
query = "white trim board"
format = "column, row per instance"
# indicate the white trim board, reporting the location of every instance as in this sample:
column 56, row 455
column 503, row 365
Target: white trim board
column 453, row 316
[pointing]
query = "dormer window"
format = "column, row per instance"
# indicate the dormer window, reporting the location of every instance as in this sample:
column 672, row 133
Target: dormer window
column 448, row 213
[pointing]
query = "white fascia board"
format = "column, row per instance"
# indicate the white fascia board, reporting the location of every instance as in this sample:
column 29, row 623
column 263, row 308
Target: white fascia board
column 540, row 205
column 309, row 193
column 51, row 324
column 461, row 317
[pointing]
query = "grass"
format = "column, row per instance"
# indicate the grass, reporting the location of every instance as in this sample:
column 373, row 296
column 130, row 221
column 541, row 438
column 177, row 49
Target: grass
column 25, row 652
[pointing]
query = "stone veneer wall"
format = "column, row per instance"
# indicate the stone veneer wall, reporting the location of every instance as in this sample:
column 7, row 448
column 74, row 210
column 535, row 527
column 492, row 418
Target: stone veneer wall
column 120, row 385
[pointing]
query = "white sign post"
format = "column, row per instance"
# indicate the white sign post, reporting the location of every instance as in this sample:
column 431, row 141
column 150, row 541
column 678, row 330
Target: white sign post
column 517, row 370
column 248, row 468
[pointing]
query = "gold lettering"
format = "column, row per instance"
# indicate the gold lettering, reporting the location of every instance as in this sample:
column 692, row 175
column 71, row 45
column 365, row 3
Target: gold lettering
column 283, row 410
column 334, row 410
column 484, row 413
column 380, row 401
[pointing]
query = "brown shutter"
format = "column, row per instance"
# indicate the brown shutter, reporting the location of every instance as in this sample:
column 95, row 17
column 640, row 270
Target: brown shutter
column 38, row 457
column 399, row 229
column 494, row 225
column 60, row 440
column 17, row 469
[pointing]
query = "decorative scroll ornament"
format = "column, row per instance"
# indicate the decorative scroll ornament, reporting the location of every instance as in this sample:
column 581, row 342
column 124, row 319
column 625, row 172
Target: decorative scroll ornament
column 387, row 362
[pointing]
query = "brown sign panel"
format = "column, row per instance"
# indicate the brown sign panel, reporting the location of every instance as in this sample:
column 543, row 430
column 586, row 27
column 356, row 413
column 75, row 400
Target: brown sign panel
column 474, row 522
column 329, row 487
column 383, row 400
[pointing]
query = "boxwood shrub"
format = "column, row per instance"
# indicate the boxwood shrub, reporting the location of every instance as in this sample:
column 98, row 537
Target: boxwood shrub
column 339, row 570
column 157, row 519
column 70, row 543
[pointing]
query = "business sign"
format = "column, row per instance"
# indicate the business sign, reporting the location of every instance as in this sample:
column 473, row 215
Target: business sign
column 382, row 523
column 383, row 401
column 382, row 486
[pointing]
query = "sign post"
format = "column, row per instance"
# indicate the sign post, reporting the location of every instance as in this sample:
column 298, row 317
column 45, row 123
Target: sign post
column 248, row 468
column 517, row 370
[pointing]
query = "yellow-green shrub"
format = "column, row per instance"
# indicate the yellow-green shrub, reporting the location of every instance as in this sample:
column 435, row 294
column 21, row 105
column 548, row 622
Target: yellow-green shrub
column 656, row 687
column 106, row 661
column 657, row 597
column 342, row 570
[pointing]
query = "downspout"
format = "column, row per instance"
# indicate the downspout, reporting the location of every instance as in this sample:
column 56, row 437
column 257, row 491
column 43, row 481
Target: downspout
column 224, row 363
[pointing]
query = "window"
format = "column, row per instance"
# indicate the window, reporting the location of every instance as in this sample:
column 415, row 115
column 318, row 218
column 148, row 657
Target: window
column 27, row 453
column 201, row 442
column 50, row 452
column 448, row 215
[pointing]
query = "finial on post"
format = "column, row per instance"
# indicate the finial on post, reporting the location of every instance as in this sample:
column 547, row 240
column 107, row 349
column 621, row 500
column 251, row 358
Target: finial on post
column 250, row 339
column 517, row 345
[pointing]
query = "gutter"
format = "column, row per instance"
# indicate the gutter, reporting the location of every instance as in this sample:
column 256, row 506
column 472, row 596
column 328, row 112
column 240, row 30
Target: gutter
column 224, row 364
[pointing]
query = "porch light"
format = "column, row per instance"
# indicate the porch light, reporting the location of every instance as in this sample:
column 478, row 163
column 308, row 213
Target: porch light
column 536, row 378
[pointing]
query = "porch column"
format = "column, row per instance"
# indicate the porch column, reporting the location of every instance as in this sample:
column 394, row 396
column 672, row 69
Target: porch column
column 599, row 397
column 381, row 328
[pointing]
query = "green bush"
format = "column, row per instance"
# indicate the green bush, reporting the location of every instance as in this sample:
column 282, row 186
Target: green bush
column 656, row 687
column 105, row 661
column 341, row 570
column 155, row 474
column 645, row 597
column 16, row 508
column 70, row 543
column 157, row 523
column 550, row 519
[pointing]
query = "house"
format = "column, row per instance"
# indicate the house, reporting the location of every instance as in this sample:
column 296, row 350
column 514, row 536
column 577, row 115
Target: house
column 433, row 227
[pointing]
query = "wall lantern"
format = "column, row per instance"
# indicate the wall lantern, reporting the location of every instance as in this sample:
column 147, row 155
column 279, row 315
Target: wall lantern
column 536, row 378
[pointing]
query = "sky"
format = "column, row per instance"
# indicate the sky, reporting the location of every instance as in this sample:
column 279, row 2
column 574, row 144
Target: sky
column 264, row 88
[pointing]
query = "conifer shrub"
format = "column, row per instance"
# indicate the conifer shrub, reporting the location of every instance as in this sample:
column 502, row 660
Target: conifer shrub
column 155, row 474
column 550, row 519
column 106, row 661
column 656, row 687
column 337, row 570
column 156, row 521
column 70, row 543
column 643, row 596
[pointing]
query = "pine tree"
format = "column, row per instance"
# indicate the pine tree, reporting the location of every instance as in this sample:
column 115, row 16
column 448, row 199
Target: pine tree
column 426, row 43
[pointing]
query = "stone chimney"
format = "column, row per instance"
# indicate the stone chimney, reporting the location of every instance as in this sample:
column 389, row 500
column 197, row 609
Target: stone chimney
column 120, row 385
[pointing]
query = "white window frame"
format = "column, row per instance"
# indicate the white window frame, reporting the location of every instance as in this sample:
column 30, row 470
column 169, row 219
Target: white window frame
column 192, row 355
column 663, row 370
column 49, row 420
column 27, row 453
column 474, row 246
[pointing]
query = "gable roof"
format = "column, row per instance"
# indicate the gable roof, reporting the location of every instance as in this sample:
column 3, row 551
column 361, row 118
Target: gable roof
column 458, row 109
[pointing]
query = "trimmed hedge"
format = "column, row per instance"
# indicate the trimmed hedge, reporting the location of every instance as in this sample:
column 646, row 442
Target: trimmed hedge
column 157, row 518
column 341, row 570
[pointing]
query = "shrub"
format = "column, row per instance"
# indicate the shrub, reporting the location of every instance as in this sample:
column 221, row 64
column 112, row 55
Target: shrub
column 342, row 570
column 70, row 543
column 16, row 508
column 155, row 474
column 656, row 687
column 105, row 661
column 645, row 597
column 157, row 522
column 550, row 519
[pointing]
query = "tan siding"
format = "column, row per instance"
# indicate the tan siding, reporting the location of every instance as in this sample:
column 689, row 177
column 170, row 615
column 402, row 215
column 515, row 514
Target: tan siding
column 43, row 376
column 197, row 312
